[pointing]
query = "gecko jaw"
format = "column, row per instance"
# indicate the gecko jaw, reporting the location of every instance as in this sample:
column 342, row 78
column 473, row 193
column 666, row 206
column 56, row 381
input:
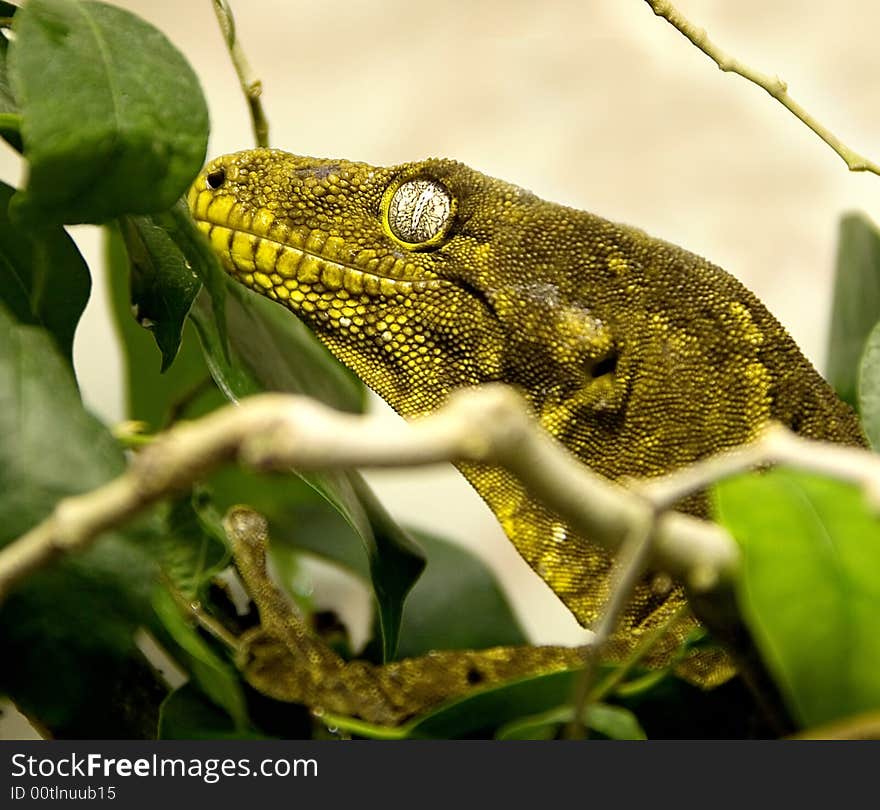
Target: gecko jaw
column 278, row 259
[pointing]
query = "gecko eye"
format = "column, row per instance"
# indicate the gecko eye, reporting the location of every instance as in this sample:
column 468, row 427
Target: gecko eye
column 419, row 211
column 216, row 178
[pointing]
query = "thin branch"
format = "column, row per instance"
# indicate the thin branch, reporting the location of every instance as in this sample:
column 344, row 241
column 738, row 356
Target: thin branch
column 629, row 567
column 204, row 619
column 251, row 86
column 775, row 445
column 646, row 643
column 488, row 425
column 775, row 86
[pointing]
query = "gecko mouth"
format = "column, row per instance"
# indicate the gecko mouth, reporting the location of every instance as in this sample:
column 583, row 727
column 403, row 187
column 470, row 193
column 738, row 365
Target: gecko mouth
column 290, row 262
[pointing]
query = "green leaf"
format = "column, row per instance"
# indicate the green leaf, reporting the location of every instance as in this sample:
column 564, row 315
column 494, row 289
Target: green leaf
column 163, row 286
column 869, row 387
column 188, row 554
column 66, row 633
column 43, row 279
column 457, row 604
column 188, row 715
column 396, row 562
column 271, row 351
column 114, row 120
column 186, row 388
column 613, row 722
column 217, row 679
column 809, row 587
column 479, row 712
column 204, row 263
column 856, row 305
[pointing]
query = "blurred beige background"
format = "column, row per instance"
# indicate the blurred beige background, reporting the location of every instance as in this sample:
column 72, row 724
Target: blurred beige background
column 594, row 103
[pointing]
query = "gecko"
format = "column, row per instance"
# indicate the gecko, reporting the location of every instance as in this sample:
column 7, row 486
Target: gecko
column 427, row 277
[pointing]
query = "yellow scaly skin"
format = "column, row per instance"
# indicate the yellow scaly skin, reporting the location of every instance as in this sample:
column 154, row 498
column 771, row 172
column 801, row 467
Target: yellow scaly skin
column 638, row 356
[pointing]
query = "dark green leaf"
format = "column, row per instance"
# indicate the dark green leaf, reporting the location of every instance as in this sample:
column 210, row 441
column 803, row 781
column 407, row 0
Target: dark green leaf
column 188, row 715
column 114, row 120
column 396, row 562
column 856, row 306
column 188, row 554
column 299, row 516
column 66, row 633
column 163, row 286
column 869, row 387
column 216, row 677
column 200, row 257
column 809, row 587
column 480, row 712
column 43, row 279
column 184, row 390
column 457, row 604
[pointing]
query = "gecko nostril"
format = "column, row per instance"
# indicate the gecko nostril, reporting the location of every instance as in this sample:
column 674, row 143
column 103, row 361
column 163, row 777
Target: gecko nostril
column 216, row 178
column 607, row 365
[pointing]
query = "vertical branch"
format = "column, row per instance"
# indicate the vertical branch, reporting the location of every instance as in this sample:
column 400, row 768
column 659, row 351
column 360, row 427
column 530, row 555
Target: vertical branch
column 251, row 86
column 630, row 564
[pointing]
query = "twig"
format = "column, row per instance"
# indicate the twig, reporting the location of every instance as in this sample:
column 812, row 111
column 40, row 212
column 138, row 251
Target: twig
column 776, row 445
column 646, row 643
column 276, row 432
column 629, row 567
column 251, row 86
column 203, row 619
column 775, row 86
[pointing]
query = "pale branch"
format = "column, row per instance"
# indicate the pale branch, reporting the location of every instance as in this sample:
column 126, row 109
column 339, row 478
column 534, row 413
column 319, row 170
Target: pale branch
column 277, row 432
column 775, row 86
column 629, row 566
column 251, row 86
column 775, row 445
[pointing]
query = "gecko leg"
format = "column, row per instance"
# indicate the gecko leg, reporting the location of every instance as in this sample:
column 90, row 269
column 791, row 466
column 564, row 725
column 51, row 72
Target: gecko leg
column 283, row 659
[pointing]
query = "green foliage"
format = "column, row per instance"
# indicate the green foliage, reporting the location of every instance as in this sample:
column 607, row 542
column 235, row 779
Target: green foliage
column 856, row 304
column 869, row 385
column 809, row 588
column 163, row 287
column 66, row 635
column 209, row 670
column 107, row 103
column 45, row 280
column 98, row 96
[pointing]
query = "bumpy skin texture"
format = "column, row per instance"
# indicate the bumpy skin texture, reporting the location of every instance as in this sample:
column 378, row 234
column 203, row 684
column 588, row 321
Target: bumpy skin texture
column 638, row 356
column 282, row 657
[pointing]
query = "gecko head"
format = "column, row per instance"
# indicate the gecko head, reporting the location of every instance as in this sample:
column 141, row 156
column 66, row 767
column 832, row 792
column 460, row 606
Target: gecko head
column 422, row 277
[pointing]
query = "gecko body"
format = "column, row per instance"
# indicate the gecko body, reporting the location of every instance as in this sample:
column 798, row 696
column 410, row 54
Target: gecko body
column 638, row 356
